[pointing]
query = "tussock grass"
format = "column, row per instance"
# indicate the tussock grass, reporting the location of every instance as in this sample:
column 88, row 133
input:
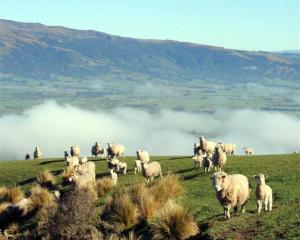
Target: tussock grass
column 41, row 198
column 120, row 211
column 169, row 187
column 13, row 195
column 46, row 179
column 173, row 222
column 67, row 173
column 104, row 185
column 3, row 206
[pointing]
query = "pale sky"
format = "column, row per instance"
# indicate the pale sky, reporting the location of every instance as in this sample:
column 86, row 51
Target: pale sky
column 270, row 25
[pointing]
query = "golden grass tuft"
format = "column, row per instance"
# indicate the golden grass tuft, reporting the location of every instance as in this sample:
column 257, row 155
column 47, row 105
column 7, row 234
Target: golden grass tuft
column 67, row 173
column 3, row 206
column 120, row 211
column 167, row 188
column 13, row 195
column 3, row 191
column 42, row 198
column 173, row 222
column 104, row 185
column 45, row 178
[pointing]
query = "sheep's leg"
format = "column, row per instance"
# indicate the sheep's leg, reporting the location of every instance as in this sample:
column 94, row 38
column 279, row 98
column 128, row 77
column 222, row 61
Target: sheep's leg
column 266, row 204
column 194, row 164
column 270, row 203
column 135, row 169
column 259, row 205
column 235, row 209
column 227, row 212
column 243, row 208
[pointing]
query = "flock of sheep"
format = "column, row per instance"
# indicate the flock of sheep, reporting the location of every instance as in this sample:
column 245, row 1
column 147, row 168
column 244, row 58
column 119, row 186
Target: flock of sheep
column 232, row 191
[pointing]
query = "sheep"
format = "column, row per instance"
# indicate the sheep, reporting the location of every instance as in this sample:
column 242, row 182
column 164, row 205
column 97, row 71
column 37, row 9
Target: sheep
column 231, row 191
column 218, row 157
column 83, row 160
column 151, row 170
column 198, row 159
column 137, row 166
column 66, row 155
column 229, row 148
column 72, row 161
column 37, row 154
column 113, row 176
column 87, row 167
column 83, row 181
column 207, row 163
column 143, row 156
column 263, row 193
column 27, row 156
column 113, row 164
column 96, row 150
column 197, row 149
column 248, row 151
column 207, row 146
column 75, row 151
column 115, row 150
column 122, row 166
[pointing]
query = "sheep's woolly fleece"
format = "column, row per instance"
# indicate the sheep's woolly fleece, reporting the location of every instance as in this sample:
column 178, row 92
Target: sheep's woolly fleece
column 54, row 128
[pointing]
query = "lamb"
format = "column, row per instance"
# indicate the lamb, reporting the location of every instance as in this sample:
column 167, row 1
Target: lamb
column 113, row 176
column 122, row 166
column 143, row 156
column 37, row 154
column 137, row 166
column 151, row 170
column 232, row 191
column 75, row 151
column 198, row 159
column 248, row 151
column 207, row 163
column 85, row 168
column 72, row 161
column 207, row 146
column 83, row 160
column 83, row 181
column 113, row 163
column 263, row 193
column 115, row 150
column 229, row 148
column 96, row 150
column 218, row 157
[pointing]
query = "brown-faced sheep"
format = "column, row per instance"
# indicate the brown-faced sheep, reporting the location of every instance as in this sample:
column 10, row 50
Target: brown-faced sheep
column 37, row 154
column 115, row 150
column 97, row 150
column 75, row 151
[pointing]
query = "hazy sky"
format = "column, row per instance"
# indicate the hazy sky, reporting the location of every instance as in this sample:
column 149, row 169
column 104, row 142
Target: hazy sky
column 240, row 24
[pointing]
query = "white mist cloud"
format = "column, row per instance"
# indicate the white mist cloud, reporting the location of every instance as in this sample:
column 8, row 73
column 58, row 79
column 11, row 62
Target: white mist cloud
column 54, row 128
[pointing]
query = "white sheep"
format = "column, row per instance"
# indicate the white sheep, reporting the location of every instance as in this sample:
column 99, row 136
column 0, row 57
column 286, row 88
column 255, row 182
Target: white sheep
column 137, row 166
column 96, row 150
column 37, row 154
column 113, row 163
column 115, row 150
column 87, row 167
column 218, row 157
column 229, row 148
column 151, row 170
column 75, row 151
column 198, row 159
column 83, row 160
column 207, row 146
column 248, row 151
column 113, row 176
column 83, row 181
column 231, row 191
column 143, row 156
column 263, row 193
column 72, row 161
column 122, row 166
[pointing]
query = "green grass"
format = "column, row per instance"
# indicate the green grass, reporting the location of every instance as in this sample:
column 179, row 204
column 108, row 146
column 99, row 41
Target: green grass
column 284, row 171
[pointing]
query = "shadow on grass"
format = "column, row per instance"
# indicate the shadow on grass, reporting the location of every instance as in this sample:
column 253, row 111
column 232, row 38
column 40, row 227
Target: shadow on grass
column 27, row 181
column 183, row 157
column 48, row 162
column 184, row 170
column 199, row 173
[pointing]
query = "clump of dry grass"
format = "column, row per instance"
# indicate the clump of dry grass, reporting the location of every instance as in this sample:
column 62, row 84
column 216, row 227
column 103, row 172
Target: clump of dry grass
column 67, row 173
column 3, row 206
column 142, row 198
column 104, row 185
column 41, row 198
column 74, row 218
column 120, row 211
column 167, row 188
column 3, row 191
column 13, row 195
column 173, row 222
column 46, row 179
column 11, row 232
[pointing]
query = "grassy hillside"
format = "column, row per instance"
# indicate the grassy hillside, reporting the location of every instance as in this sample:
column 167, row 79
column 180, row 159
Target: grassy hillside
column 282, row 223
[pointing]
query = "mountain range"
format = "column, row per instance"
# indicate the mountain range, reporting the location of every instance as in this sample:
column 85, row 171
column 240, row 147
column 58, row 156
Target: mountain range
column 36, row 51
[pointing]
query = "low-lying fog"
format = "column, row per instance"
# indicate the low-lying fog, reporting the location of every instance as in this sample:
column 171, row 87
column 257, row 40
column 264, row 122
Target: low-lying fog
column 54, row 128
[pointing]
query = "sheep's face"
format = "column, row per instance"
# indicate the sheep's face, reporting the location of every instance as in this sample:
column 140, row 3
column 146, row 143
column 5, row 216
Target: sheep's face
column 260, row 178
column 219, row 181
column 202, row 139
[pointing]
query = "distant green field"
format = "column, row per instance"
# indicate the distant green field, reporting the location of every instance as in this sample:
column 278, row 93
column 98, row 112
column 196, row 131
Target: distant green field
column 284, row 171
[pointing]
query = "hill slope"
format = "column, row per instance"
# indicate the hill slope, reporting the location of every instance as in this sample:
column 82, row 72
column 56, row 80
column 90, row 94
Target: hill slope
column 199, row 196
column 37, row 51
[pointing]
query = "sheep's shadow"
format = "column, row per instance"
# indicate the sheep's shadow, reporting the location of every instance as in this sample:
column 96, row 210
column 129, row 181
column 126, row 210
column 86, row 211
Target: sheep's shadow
column 189, row 177
column 56, row 172
column 48, row 162
column 182, row 157
column 97, row 159
column 27, row 181
column 184, row 170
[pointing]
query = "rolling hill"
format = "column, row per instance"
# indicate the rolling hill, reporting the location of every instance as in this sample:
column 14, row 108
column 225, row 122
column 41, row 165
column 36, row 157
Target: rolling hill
column 32, row 50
